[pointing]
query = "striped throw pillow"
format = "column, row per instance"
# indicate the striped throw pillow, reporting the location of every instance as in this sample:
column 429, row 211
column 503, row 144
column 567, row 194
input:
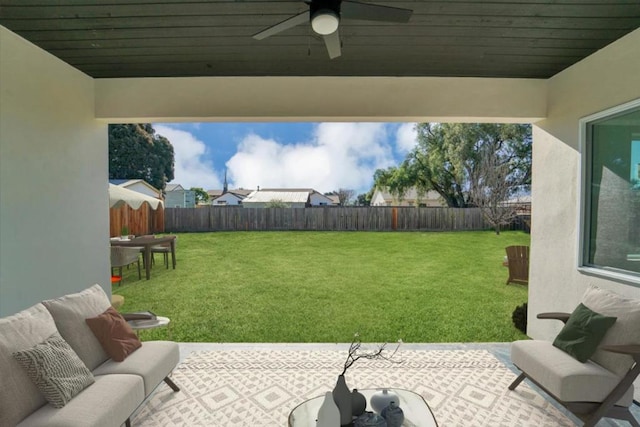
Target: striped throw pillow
column 55, row 369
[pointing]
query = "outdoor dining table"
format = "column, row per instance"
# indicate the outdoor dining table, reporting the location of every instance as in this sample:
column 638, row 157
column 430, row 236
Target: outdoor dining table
column 147, row 242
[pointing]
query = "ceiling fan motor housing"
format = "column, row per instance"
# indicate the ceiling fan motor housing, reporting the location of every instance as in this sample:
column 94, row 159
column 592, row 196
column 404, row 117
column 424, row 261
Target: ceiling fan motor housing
column 325, row 16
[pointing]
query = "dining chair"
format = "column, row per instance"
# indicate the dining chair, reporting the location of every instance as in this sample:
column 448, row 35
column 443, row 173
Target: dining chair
column 122, row 256
column 164, row 249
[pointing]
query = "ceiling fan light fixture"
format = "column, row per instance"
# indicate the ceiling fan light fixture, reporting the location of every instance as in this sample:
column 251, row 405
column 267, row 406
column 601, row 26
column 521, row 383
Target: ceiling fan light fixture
column 325, row 22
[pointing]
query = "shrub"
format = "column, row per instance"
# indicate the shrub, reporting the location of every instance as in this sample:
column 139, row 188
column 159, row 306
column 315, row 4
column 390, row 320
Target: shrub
column 519, row 317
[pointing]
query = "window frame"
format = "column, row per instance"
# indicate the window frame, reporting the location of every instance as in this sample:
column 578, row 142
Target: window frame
column 584, row 134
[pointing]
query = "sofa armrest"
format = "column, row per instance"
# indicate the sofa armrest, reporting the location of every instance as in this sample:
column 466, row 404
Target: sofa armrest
column 555, row 315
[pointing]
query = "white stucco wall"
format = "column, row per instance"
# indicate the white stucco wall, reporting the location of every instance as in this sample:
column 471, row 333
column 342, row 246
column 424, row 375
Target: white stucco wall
column 54, row 221
column 604, row 80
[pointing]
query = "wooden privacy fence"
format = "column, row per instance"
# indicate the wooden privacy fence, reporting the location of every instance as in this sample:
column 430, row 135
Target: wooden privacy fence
column 140, row 221
column 215, row 218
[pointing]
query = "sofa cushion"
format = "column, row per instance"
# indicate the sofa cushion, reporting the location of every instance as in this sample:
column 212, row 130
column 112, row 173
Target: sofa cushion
column 153, row 362
column 563, row 376
column 55, row 369
column 106, row 403
column 624, row 331
column 19, row 397
column 69, row 313
column 583, row 332
column 114, row 333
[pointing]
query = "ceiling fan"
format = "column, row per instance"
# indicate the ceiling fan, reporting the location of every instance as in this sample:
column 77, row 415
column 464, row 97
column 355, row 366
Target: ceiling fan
column 325, row 16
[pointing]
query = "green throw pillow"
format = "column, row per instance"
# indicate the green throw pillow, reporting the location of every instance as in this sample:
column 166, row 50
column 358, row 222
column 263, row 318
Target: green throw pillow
column 583, row 332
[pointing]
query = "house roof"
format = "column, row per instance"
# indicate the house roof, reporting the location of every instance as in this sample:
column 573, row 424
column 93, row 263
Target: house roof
column 307, row 191
column 471, row 38
column 286, row 190
column 232, row 192
column 173, row 187
column 335, row 199
column 266, row 196
column 240, row 192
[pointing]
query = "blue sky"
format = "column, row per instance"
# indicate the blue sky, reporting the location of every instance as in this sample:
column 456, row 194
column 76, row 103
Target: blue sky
column 323, row 156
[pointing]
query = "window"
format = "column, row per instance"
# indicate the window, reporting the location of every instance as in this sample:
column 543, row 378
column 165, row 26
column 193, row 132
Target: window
column 611, row 223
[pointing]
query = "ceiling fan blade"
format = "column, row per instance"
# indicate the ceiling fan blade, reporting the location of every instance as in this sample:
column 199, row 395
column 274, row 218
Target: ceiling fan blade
column 373, row 12
column 332, row 41
column 301, row 18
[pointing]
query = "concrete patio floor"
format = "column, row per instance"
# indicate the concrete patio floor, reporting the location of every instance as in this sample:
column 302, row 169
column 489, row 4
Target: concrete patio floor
column 500, row 350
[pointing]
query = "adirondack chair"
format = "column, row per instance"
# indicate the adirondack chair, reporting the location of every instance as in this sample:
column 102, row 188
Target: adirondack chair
column 518, row 263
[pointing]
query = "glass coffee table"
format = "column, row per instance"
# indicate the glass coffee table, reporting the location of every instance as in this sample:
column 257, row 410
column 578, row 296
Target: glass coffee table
column 416, row 411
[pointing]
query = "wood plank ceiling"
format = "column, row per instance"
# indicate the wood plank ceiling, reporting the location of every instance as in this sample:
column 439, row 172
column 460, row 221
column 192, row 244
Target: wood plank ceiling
column 460, row 38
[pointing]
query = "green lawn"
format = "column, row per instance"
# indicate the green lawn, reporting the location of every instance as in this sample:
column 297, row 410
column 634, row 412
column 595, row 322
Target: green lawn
column 324, row 286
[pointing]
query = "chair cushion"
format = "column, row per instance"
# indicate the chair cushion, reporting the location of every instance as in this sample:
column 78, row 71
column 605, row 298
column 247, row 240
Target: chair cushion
column 153, row 362
column 563, row 376
column 624, row 331
column 583, row 332
column 55, row 369
column 19, row 397
column 114, row 333
column 69, row 313
column 106, row 403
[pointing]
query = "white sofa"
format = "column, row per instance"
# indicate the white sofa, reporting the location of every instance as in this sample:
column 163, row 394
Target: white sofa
column 119, row 388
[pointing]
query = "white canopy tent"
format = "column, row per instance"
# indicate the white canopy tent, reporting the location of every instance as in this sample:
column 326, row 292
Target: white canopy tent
column 120, row 195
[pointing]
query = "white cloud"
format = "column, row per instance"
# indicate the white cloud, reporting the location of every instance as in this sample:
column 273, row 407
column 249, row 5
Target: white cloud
column 192, row 168
column 340, row 155
column 406, row 137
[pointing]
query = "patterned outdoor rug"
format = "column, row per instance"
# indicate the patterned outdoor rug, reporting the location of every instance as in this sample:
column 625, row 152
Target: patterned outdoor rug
column 259, row 388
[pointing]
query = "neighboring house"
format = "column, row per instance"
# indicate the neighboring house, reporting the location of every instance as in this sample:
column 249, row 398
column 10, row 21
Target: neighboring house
column 292, row 197
column 335, row 199
column 227, row 197
column 214, row 194
column 319, row 199
column 177, row 197
column 230, row 198
column 139, row 185
column 262, row 198
column 411, row 198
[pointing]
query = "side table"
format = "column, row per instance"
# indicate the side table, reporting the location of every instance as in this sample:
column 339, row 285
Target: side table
column 158, row 322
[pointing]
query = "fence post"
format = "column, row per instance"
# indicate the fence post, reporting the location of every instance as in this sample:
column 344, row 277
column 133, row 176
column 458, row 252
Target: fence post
column 394, row 219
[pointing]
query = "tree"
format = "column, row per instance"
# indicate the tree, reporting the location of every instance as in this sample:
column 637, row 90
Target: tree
column 490, row 190
column 449, row 157
column 137, row 152
column 201, row 195
column 364, row 199
column 345, row 195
